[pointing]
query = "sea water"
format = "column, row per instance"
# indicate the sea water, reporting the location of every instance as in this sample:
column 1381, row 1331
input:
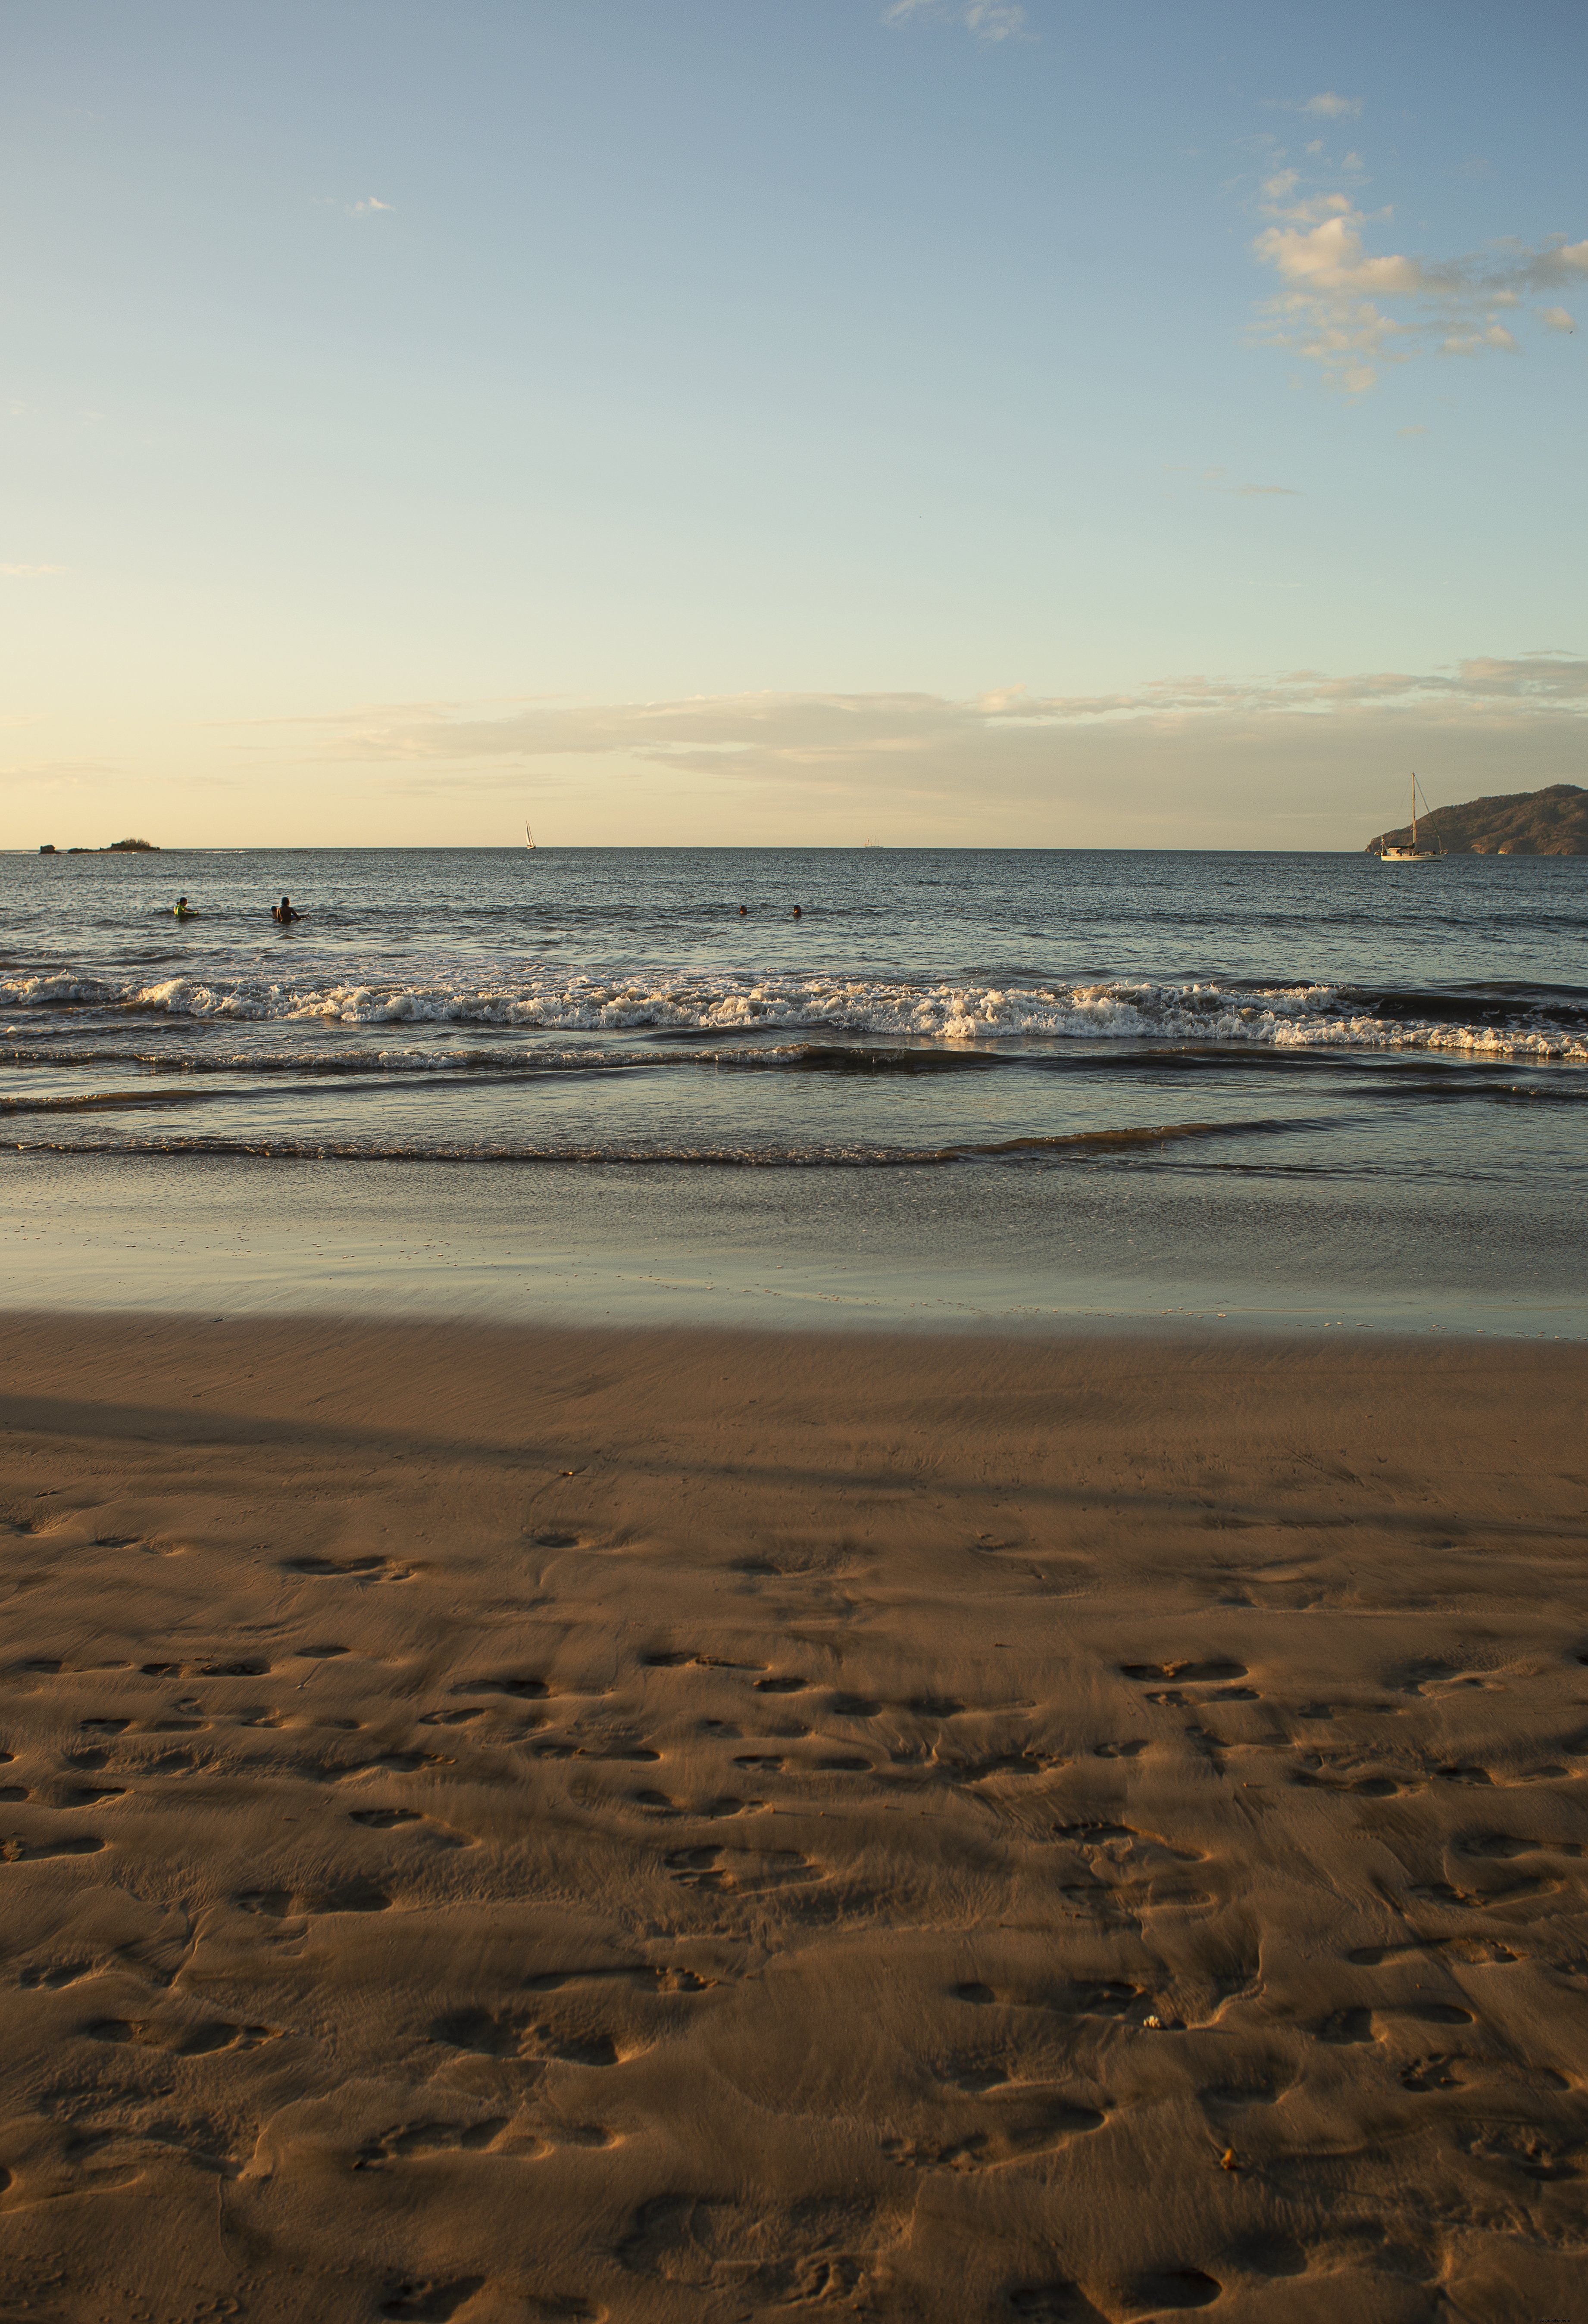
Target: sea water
column 1000, row 1085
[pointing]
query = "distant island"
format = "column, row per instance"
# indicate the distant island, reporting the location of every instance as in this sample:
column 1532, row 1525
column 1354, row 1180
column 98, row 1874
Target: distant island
column 1553, row 822
column 116, row 847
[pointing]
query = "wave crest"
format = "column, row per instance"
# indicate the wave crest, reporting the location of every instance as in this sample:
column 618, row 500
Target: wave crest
column 964, row 1010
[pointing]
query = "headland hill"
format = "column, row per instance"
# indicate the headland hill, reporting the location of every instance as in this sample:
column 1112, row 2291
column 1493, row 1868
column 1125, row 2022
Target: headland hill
column 1553, row 822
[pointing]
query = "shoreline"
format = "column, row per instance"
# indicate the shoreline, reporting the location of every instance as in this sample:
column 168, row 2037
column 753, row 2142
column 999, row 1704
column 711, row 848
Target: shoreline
column 946, row 1250
column 681, row 1825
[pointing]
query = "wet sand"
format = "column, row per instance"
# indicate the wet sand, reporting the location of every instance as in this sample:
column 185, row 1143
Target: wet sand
column 683, row 1825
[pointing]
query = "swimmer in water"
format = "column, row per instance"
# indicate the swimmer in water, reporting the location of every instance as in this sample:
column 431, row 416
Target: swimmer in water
column 180, row 909
column 799, row 914
column 743, row 913
column 283, row 912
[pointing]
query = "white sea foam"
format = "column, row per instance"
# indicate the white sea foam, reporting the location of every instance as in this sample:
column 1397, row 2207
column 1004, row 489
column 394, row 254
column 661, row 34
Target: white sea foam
column 1301, row 1016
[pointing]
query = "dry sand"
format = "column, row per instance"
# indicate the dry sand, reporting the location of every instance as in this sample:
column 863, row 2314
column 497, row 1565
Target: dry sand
column 698, row 1827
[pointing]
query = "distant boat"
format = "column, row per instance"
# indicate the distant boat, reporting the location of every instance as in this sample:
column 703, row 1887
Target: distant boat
column 1413, row 853
column 529, row 837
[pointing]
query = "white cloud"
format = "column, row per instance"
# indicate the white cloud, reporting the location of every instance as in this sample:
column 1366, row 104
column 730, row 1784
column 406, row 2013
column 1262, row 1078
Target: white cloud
column 1192, row 760
column 1473, row 343
column 1558, row 318
column 367, row 207
column 1331, row 107
column 1350, row 309
column 989, row 20
column 818, row 732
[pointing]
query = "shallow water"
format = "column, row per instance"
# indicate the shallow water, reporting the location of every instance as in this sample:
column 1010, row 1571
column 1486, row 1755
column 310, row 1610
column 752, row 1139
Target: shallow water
column 1306, row 1076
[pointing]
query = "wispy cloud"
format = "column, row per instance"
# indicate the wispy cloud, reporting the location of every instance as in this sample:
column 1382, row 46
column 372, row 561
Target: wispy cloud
column 1190, row 760
column 989, row 20
column 1556, row 319
column 367, row 207
column 1330, row 106
column 835, row 730
column 1350, row 309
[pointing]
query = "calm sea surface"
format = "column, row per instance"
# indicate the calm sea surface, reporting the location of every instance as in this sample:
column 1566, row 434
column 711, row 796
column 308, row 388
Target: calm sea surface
column 1305, row 1071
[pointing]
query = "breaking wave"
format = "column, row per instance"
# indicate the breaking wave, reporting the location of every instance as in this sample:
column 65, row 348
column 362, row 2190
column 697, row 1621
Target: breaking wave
column 1543, row 1024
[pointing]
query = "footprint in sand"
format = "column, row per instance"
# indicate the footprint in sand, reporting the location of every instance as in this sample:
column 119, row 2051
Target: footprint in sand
column 1482, row 1900
column 201, row 2041
column 645, row 1976
column 1501, row 1847
column 521, row 1689
column 52, row 1976
column 426, row 2301
column 406, row 2141
column 1108, row 1998
column 1266, row 2084
column 1020, row 1760
column 1437, row 1678
column 1347, row 2028
column 16, row 1850
column 1164, row 2289
column 1271, row 2255
column 520, row 2033
column 296, row 1904
column 1363, row 1787
column 742, row 1871
column 429, row 1829
column 1186, row 1673
column 1012, row 2126
column 349, row 1569
column 1053, row 2303
column 390, row 1763
column 1438, row 2073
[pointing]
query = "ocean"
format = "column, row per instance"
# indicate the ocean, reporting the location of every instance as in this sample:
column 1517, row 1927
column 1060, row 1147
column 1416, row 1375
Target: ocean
column 999, row 1085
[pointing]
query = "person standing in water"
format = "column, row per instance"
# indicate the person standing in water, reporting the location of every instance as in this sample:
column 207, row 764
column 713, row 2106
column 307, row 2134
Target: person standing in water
column 283, row 912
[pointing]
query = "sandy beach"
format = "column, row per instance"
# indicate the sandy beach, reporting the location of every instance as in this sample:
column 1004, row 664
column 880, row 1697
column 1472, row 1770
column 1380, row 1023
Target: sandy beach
column 564, row 1825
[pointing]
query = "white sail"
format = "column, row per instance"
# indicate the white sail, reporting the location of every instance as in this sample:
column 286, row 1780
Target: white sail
column 529, row 836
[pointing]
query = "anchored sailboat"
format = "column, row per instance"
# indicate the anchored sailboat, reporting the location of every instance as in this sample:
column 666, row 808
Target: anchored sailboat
column 1413, row 853
column 529, row 837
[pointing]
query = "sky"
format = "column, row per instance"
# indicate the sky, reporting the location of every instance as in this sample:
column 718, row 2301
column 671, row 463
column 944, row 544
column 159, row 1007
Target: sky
column 775, row 422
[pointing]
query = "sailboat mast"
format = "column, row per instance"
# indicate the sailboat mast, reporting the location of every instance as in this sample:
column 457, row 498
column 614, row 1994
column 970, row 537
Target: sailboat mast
column 1414, row 809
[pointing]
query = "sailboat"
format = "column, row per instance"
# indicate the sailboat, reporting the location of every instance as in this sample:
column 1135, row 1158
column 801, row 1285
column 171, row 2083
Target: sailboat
column 529, row 837
column 1413, row 853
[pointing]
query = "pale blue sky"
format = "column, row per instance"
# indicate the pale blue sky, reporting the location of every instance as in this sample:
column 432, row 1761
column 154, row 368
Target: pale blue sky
column 410, row 414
